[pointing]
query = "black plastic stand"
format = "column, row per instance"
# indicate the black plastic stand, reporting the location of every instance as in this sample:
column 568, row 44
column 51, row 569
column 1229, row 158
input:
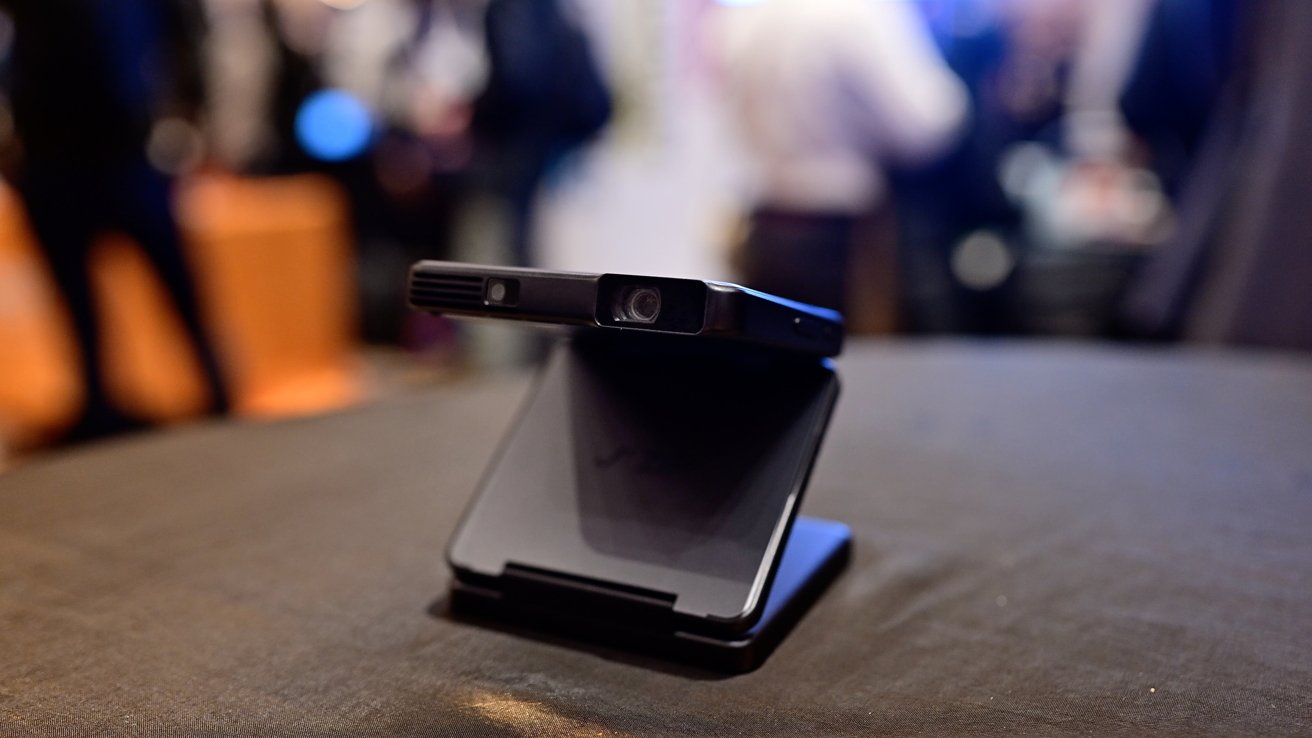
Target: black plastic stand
column 646, row 499
column 816, row 552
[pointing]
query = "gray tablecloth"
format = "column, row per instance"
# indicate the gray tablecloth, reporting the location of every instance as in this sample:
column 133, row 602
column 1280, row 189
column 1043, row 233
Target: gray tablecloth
column 1048, row 539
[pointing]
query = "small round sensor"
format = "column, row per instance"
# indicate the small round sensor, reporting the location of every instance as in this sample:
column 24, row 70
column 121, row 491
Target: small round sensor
column 504, row 292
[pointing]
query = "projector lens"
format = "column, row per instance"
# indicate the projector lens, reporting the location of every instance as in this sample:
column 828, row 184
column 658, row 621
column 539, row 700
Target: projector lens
column 637, row 305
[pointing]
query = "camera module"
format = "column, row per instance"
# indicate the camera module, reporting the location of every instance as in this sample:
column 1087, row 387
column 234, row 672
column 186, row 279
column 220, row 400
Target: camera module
column 502, row 292
column 637, row 305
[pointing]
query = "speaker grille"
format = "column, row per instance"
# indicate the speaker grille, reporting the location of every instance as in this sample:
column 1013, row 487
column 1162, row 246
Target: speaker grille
column 446, row 291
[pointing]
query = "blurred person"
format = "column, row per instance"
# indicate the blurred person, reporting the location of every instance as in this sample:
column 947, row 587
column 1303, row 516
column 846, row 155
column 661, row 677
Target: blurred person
column 1223, row 95
column 544, row 97
column 470, row 94
column 417, row 66
column 959, row 195
column 474, row 102
column 1184, row 65
column 827, row 93
column 91, row 82
column 240, row 55
column 1045, row 175
column 260, row 65
column 1187, row 99
column 1093, row 127
column 1105, row 195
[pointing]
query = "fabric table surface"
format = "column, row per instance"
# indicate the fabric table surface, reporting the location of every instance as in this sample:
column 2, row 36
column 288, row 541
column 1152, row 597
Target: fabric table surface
column 1048, row 538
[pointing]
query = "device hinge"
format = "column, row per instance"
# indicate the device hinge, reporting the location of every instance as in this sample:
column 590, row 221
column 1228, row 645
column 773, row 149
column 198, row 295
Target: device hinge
column 578, row 598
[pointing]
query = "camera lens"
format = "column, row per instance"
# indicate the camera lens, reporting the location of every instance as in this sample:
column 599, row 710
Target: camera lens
column 502, row 292
column 638, row 305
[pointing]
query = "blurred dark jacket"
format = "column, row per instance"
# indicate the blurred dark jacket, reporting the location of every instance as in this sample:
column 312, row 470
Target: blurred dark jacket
column 544, row 97
column 1185, row 63
column 1238, row 267
column 543, row 81
column 112, row 66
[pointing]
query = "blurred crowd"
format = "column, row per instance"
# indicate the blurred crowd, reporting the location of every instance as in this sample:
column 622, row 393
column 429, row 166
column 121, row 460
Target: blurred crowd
column 1115, row 168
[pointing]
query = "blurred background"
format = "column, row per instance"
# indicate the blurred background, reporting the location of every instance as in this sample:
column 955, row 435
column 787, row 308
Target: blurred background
column 208, row 206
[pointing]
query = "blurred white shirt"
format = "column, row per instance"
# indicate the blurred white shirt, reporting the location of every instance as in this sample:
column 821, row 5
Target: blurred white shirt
column 826, row 90
column 448, row 64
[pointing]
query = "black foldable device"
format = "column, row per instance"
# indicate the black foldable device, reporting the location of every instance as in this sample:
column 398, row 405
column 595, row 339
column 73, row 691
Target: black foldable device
column 626, row 302
column 647, row 495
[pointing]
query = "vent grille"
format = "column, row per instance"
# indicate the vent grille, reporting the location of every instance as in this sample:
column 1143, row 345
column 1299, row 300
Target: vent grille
column 446, row 291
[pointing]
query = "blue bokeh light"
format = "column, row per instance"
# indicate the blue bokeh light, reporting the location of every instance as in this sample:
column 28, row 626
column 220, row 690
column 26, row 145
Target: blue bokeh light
column 333, row 125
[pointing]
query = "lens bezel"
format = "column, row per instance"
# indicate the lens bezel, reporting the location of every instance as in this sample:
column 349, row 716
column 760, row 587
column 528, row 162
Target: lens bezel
column 682, row 306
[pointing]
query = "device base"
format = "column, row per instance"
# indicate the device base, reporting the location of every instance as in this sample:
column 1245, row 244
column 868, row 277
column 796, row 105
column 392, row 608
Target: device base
column 816, row 552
